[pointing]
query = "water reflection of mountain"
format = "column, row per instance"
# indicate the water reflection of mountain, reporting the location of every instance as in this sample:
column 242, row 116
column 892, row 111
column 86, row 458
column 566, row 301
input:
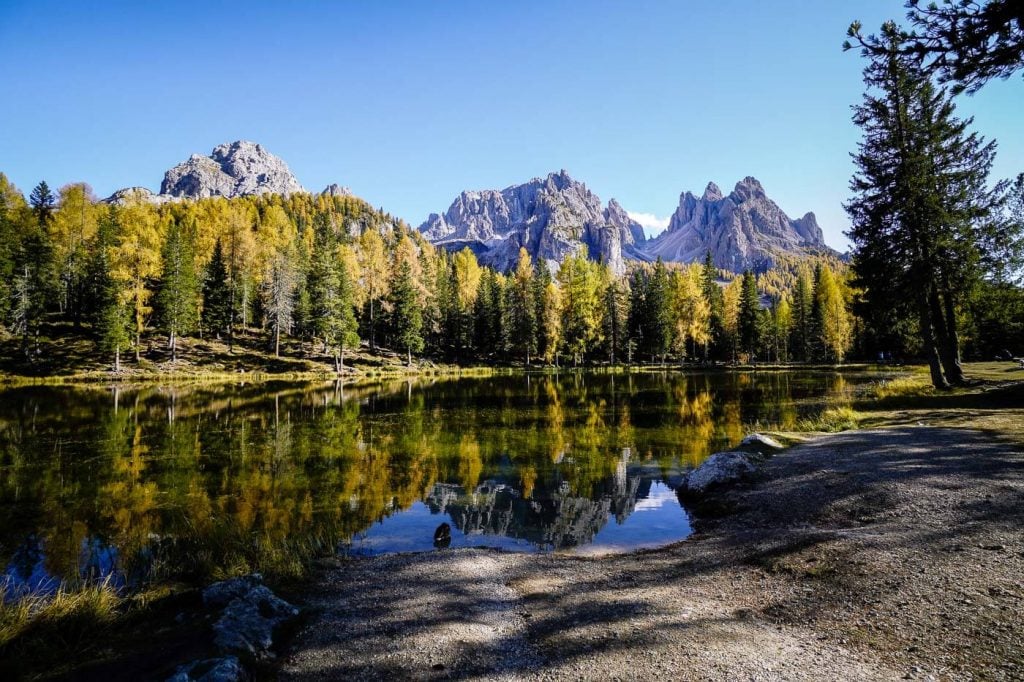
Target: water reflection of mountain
column 550, row 518
column 193, row 481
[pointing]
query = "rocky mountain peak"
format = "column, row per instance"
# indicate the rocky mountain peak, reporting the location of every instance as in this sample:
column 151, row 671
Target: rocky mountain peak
column 748, row 188
column 233, row 169
column 711, row 192
column 336, row 190
column 743, row 230
column 550, row 217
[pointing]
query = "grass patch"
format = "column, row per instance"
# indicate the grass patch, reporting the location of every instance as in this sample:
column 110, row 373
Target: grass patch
column 832, row 420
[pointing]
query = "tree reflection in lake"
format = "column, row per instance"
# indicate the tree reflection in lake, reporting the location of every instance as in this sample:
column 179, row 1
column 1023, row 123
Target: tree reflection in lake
column 196, row 482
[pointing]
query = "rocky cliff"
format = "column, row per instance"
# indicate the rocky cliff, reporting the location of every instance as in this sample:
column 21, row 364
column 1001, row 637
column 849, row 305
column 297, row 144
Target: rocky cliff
column 551, row 217
column 743, row 230
column 231, row 170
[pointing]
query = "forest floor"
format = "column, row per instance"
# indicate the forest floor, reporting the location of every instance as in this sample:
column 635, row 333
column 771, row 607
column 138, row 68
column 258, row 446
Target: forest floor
column 883, row 553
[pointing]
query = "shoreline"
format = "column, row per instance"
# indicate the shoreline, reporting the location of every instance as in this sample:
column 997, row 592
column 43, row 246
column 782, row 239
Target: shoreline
column 852, row 556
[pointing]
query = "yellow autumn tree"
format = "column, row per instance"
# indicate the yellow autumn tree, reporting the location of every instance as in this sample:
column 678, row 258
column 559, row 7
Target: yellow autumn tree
column 135, row 260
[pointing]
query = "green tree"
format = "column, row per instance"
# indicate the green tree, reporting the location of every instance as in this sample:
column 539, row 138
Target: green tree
column 966, row 42
column 521, row 308
column 750, row 307
column 406, row 318
column 178, row 293
column 216, row 314
column 920, row 201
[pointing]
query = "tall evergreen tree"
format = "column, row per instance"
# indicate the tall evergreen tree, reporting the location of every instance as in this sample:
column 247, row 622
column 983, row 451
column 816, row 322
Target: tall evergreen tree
column 750, row 309
column 920, row 199
column 177, row 296
column 713, row 295
column 406, row 317
column 216, row 294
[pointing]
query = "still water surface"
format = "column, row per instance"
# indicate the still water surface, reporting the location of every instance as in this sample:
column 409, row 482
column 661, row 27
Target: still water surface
column 180, row 482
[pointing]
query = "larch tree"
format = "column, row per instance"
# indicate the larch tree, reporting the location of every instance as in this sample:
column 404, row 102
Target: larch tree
column 374, row 266
column 836, row 327
column 135, row 262
column 72, row 231
column 522, row 312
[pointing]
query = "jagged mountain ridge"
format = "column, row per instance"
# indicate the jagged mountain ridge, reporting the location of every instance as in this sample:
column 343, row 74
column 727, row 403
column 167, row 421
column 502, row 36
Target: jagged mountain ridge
column 551, row 217
column 557, row 215
column 743, row 230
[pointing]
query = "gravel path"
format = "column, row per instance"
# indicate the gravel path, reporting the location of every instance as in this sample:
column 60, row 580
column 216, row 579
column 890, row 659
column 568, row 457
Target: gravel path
column 866, row 555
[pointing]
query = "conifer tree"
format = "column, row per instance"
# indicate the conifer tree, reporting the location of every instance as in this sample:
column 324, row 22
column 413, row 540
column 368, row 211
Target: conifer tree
column 920, row 199
column 750, row 307
column 406, row 317
column 178, row 294
column 522, row 311
column 216, row 314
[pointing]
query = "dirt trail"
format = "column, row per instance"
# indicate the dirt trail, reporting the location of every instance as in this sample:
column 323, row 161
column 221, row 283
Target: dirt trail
column 866, row 555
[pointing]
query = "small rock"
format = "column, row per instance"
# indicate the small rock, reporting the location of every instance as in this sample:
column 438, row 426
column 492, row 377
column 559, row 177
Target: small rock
column 247, row 624
column 718, row 469
column 226, row 669
column 220, row 594
column 761, row 443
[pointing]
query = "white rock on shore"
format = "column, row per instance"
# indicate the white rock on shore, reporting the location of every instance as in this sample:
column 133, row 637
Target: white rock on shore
column 719, row 469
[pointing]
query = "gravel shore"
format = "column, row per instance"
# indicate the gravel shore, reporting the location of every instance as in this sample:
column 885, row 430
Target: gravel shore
column 885, row 554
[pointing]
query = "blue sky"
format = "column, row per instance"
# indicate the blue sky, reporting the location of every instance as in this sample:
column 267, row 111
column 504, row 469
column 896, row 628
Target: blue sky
column 409, row 103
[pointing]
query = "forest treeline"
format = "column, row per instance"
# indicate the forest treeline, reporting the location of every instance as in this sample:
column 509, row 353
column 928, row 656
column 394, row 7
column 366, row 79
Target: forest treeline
column 334, row 274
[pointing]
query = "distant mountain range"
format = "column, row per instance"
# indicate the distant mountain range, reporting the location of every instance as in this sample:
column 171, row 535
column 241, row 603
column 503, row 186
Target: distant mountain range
column 550, row 217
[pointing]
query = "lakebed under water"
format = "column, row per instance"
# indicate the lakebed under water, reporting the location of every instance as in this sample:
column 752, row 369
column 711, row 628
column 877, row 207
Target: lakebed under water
column 188, row 482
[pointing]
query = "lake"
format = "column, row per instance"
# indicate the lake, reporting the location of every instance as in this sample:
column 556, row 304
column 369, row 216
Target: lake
column 193, row 482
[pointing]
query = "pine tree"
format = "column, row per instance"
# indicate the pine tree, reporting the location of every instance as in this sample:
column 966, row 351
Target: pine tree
column 716, row 308
column 803, row 328
column 406, row 319
column 750, row 307
column 616, row 319
column 920, row 198
column 43, row 204
column 178, row 293
column 216, row 314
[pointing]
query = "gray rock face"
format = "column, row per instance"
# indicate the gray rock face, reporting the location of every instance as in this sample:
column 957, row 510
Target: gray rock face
column 550, row 217
column 719, row 469
column 743, row 230
column 129, row 194
column 336, row 190
column 250, row 614
column 231, row 170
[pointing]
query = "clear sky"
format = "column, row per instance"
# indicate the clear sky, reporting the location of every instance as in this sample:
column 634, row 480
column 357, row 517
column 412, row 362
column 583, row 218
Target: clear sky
column 409, row 103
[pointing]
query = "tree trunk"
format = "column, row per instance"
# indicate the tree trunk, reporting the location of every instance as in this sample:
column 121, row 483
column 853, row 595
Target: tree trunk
column 954, row 371
column 337, row 362
column 409, row 355
column 117, row 358
column 277, row 341
column 173, row 341
column 138, row 345
column 928, row 339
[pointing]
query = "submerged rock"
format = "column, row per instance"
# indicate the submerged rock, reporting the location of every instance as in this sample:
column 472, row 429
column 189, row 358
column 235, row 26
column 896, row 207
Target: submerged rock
column 719, row 469
column 226, row 669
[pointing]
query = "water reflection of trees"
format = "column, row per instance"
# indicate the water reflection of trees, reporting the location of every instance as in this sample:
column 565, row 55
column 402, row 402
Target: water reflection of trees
column 204, row 480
